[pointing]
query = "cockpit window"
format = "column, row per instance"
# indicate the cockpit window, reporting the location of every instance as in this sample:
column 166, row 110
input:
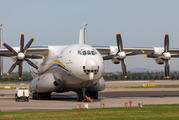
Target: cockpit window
column 89, row 52
column 79, row 52
column 93, row 53
column 84, row 52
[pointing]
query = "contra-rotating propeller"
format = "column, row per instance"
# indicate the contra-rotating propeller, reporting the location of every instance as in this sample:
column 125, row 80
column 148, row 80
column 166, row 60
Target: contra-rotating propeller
column 21, row 55
column 165, row 55
column 121, row 55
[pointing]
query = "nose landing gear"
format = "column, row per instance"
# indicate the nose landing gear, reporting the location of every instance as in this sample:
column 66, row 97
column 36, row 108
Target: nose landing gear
column 83, row 95
column 87, row 98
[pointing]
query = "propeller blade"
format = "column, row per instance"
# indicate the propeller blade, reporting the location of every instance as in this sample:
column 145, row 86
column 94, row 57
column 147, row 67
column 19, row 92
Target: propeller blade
column 22, row 43
column 119, row 42
column 166, row 43
column 34, row 56
column 175, row 55
column 167, row 67
column 9, row 48
column 135, row 53
column 20, row 55
column 154, row 55
column 124, row 68
column 6, row 54
column 28, row 44
column 31, row 63
column 20, row 68
column 12, row 67
column 109, row 57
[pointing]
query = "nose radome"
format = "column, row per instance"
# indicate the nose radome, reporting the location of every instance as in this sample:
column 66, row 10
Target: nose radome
column 91, row 64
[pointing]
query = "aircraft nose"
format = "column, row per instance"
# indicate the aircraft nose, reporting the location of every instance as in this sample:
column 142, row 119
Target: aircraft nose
column 91, row 64
column 91, row 68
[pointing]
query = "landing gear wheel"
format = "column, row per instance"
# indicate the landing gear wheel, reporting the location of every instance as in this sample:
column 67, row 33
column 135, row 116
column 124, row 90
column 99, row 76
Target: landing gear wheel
column 79, row 96
column 35, row 95
column 94, row 95
column 16, row 98
column 47, row 96
column 42, row 96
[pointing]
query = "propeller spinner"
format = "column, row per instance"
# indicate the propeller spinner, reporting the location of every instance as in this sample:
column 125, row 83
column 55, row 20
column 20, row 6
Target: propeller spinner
column 21, row 55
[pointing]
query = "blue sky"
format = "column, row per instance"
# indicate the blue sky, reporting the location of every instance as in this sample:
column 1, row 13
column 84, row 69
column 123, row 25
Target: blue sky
column 141, row 23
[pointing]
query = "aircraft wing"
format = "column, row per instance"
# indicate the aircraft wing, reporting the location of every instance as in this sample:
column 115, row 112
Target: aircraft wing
column 37, row 50
column 111, row 50
column 174, row 50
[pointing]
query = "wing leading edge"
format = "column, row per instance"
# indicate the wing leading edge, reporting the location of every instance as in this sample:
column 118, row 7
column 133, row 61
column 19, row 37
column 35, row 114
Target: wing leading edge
column 38, row 50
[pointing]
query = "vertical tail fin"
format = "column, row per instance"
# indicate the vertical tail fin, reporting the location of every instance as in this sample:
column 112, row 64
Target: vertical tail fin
column 82, row 36
column 1, row 58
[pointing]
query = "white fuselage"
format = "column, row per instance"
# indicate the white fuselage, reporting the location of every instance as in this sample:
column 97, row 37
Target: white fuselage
column 75, row 67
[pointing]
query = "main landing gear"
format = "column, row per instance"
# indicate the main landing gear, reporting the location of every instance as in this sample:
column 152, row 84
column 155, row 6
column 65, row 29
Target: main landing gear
column 86, row 95
column 42, row 96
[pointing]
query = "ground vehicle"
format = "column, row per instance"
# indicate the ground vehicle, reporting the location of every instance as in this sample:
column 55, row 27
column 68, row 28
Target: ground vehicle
column 22, row 94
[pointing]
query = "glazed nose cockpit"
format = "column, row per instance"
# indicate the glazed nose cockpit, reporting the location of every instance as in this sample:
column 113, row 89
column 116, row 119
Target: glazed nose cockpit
column 90, row 65
column 91, row 68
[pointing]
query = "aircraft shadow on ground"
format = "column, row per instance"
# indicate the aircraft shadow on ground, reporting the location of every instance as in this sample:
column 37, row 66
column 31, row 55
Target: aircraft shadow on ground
column 67, row 98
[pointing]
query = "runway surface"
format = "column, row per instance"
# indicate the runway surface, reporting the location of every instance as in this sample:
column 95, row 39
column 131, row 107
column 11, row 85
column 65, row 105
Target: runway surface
column 110, row 97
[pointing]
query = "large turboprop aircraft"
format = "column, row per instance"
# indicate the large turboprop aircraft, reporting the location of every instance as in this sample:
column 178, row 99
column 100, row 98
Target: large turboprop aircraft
column 78, row 67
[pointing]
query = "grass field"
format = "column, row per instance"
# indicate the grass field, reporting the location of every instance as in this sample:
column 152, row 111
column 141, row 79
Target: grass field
column 165, row 112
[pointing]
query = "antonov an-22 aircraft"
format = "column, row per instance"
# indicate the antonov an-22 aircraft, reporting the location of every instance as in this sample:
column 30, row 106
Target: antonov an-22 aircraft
column 77, row 67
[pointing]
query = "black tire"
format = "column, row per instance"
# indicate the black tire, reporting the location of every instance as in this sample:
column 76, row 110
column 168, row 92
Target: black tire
column 94, row 95
column 16, row 98
column 47, row 96
column 35, row 95
column 42, row 96
column 79, row 96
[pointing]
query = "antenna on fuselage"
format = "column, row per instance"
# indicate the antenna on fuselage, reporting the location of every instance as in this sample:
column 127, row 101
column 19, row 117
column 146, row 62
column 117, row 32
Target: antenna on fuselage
column 82, row 36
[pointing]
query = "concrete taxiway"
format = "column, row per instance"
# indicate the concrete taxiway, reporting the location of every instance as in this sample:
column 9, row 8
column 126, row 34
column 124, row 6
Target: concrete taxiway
column 110, row 97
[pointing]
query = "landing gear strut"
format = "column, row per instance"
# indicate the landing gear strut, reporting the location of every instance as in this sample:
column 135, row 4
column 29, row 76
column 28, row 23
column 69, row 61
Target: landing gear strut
column 84, row 94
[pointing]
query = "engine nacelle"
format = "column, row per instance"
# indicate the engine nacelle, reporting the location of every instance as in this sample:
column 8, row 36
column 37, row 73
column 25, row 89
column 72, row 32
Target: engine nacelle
column 99, row 86
column 159, row 61
column 113, row 50
column 44, row 83
column 116, row 61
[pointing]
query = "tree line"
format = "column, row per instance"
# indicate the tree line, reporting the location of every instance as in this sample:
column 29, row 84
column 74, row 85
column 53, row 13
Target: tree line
column 140, row 76
column 14, row 77
column 26, row 77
